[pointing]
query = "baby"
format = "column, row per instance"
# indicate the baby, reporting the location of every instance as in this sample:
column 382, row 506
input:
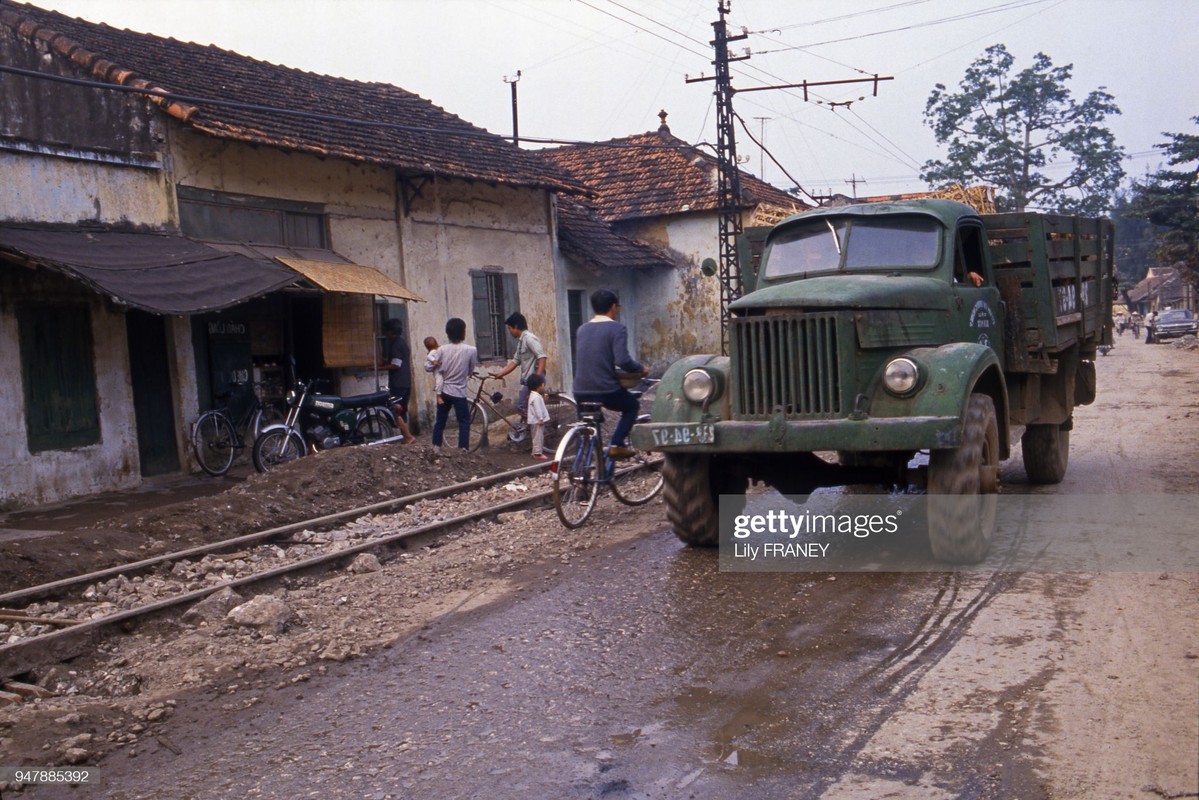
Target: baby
column 432, row 361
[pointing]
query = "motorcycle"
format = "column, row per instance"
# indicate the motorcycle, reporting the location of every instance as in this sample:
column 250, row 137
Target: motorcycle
column 318, row 422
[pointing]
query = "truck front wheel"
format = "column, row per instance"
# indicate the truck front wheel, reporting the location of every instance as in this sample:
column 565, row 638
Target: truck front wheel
column 1046, row 453
column 963, row 484
column 692, row 494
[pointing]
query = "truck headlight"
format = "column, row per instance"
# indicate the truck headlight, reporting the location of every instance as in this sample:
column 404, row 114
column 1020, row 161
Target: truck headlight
column 901, row 376
column 699, row 386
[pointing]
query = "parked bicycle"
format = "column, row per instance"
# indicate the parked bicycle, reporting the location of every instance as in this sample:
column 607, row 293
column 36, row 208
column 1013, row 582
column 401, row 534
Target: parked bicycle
column 220, row 434
column 582, row 467
column 488, row 418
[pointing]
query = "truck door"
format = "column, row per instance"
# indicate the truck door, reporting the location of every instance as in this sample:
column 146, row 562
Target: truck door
column 980, row 318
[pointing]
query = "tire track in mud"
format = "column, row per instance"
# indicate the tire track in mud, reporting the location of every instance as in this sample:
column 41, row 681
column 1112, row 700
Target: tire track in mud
column 854, row 706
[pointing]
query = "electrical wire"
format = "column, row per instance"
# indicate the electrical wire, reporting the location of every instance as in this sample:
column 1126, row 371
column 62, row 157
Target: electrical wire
column 773, row 160
column 843, row 17
column 1007, row 6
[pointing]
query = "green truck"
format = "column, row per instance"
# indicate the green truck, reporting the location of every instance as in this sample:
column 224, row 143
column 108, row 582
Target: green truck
column 877, row 331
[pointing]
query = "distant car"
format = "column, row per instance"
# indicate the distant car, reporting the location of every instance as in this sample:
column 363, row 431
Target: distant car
column 1175, row 323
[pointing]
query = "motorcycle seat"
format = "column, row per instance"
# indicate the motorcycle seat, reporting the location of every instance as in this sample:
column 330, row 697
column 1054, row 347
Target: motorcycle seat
column 365, row 400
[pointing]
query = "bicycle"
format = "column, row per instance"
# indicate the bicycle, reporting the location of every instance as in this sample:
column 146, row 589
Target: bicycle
column 486, row 415
column 578, row 475
column 216, row 438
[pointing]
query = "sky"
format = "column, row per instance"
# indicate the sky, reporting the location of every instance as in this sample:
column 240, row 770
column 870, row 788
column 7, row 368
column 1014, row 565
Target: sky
column 593, row 70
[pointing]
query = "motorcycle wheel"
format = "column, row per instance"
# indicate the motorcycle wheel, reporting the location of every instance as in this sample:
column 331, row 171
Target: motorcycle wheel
column 277, row 447
column 372, row 428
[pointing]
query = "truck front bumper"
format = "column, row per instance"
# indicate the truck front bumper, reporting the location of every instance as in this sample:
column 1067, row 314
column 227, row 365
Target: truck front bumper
column 781, row 436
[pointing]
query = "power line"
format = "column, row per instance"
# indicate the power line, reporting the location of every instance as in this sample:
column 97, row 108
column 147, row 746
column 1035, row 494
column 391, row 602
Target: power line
column 843, row 17
column 1008, row 6
column 774, row 160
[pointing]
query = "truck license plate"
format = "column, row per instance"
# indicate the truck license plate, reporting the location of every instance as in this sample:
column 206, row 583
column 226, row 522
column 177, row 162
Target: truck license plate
column 682, row 435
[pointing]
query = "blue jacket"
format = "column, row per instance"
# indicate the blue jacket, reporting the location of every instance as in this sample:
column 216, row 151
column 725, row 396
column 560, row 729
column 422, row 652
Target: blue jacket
column 601, row 346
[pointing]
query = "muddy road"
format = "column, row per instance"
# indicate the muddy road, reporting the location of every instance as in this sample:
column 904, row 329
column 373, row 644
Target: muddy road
column 628, row 666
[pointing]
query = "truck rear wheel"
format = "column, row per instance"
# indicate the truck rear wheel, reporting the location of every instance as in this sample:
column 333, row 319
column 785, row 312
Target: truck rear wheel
column 692, row 499
column 1046, row 453
column 963, row 484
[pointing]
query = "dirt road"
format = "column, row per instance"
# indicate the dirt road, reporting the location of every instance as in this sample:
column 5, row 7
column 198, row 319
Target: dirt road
column 521, row 661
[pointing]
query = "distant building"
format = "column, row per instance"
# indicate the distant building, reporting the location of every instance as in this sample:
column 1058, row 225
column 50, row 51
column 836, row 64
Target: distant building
column 1161, row 288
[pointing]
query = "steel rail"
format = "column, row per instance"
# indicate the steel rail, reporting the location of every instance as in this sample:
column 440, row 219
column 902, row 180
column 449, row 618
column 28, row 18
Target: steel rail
column 21, row 657
column 48, row 589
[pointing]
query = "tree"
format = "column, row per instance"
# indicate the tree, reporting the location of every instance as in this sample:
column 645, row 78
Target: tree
column 1170, row 200
column 1009, row 131
column 1136, row 239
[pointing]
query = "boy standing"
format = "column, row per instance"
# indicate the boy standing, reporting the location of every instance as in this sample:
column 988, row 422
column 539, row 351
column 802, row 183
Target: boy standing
column 455, row 362
column 538, row 415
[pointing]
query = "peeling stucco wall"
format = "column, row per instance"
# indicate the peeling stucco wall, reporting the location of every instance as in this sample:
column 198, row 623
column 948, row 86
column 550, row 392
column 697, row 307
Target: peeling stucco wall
column 40, row 188
column 47, row 476
column 677, row 313
column 454, row 227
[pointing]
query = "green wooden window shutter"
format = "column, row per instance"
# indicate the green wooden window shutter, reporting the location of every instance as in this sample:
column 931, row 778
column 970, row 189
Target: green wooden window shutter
column 511, row 296
column 58, row 368
column 484, row 336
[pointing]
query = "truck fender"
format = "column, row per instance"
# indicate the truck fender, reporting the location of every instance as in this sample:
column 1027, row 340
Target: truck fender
column 951, row 373
column 671, row 406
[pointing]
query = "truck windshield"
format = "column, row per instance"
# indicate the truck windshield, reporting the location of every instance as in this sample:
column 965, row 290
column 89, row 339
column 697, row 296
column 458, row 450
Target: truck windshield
column 829, row 245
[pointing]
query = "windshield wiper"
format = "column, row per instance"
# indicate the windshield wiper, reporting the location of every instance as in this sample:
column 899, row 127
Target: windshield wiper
column 833, row 231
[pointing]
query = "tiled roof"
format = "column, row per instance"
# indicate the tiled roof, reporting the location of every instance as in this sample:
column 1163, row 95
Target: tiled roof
column 145, row 61
column 655, row 174
column 584, row 237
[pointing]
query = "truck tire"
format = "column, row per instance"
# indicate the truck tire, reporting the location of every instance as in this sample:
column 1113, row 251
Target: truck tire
column 1046, row 453
column 963, row 488
column 691, row 499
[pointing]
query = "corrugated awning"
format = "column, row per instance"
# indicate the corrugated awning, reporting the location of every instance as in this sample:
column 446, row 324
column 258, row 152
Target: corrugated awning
column 350, row 278
column 156, row 272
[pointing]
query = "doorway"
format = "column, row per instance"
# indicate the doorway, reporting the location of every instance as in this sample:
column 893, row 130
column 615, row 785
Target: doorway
column 153, row 405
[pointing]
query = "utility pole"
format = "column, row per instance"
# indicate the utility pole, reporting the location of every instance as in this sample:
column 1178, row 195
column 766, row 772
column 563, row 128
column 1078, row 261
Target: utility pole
column 729, row 177
column 728, row 188
column 515, row 116
column 762, row 146
column 854, row 180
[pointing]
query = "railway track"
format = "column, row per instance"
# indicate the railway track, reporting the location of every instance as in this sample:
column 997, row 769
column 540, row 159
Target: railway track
column 79, row 616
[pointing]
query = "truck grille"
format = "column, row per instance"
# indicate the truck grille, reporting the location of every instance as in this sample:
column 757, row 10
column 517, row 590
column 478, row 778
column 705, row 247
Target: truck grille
column 787, row 363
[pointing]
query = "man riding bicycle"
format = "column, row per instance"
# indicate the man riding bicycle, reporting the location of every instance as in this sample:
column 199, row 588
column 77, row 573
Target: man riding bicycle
column 602, row 345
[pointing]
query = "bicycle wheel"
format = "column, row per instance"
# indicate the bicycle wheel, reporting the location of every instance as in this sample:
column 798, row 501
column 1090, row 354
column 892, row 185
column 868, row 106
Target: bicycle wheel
column 214, row 442
column 480, row 421
column 637, row 480
column 266, row 415
column 277, row 447
column 372, row 428
column 574, row 471
column 563, row 413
